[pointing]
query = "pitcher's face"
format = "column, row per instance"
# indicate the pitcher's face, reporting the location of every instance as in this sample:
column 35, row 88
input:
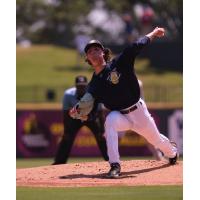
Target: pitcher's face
column 95, row 55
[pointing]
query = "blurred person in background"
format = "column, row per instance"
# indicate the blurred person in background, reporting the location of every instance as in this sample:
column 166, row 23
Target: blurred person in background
column 128, row 27
column 147, row 19
column 130, row 31
column 72, row 126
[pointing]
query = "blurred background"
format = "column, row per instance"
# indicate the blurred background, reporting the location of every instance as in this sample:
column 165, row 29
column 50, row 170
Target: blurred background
column 50, row 37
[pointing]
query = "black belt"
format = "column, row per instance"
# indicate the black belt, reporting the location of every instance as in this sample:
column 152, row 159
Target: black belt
column 131, row 109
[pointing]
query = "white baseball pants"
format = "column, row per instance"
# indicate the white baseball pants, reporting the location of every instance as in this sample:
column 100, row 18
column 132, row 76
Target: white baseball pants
column 139, row 121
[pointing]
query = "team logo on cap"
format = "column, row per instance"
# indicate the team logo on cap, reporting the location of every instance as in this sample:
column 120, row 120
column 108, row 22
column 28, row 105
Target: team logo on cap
column 114, row 77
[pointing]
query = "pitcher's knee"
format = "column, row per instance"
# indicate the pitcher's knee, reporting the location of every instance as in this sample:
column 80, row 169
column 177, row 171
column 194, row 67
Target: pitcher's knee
column 111, row 120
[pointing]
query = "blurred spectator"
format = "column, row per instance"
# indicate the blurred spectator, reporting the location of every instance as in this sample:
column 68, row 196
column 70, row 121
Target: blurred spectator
column 128, row 28
column 145, row 15
column 147, row 20
column 46, row 21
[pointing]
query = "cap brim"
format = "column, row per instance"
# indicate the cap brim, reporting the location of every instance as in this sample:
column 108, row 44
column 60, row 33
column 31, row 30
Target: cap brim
column 93, row 44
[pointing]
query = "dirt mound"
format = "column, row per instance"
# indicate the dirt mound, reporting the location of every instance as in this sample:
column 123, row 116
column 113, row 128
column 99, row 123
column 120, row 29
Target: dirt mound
column 135, row 172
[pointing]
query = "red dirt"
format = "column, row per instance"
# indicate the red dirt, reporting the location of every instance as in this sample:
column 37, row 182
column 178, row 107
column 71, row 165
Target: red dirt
column 89, row 174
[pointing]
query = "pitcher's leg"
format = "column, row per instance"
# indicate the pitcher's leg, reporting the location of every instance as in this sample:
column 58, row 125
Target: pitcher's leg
column 174, row 147
column 158, row 140
column 114, row 123
column 112, row 145
column 146, row 127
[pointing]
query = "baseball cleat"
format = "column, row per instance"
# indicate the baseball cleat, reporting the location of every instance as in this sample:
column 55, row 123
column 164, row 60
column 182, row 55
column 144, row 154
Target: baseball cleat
column 173, row 161
column 114, row 170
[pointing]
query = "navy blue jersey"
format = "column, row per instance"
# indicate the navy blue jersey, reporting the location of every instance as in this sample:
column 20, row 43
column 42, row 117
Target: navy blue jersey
column 116, row 86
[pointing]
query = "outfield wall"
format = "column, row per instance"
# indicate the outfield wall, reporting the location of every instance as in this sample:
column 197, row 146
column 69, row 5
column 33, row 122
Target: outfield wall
column 39, row 129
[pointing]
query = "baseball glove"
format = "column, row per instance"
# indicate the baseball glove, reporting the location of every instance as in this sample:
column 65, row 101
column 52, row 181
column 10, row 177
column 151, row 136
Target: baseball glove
column 83, row 107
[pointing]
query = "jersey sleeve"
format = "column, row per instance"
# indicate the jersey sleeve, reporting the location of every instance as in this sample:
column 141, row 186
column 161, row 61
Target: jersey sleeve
column 137, row 46
column 130, row 52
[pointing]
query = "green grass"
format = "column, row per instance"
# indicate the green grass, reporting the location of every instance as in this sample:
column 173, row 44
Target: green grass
column 47, row 66
column 99, row 193
column 44, row 66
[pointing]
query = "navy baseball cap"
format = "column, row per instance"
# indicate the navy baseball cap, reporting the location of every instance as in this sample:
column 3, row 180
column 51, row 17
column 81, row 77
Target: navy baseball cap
column 93, row 43
column 81, row 80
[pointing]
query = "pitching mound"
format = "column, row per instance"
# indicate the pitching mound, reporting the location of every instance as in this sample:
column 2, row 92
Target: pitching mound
column 135, row 172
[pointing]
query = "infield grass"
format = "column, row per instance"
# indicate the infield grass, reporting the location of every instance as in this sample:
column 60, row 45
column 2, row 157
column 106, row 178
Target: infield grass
column 99, row 193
